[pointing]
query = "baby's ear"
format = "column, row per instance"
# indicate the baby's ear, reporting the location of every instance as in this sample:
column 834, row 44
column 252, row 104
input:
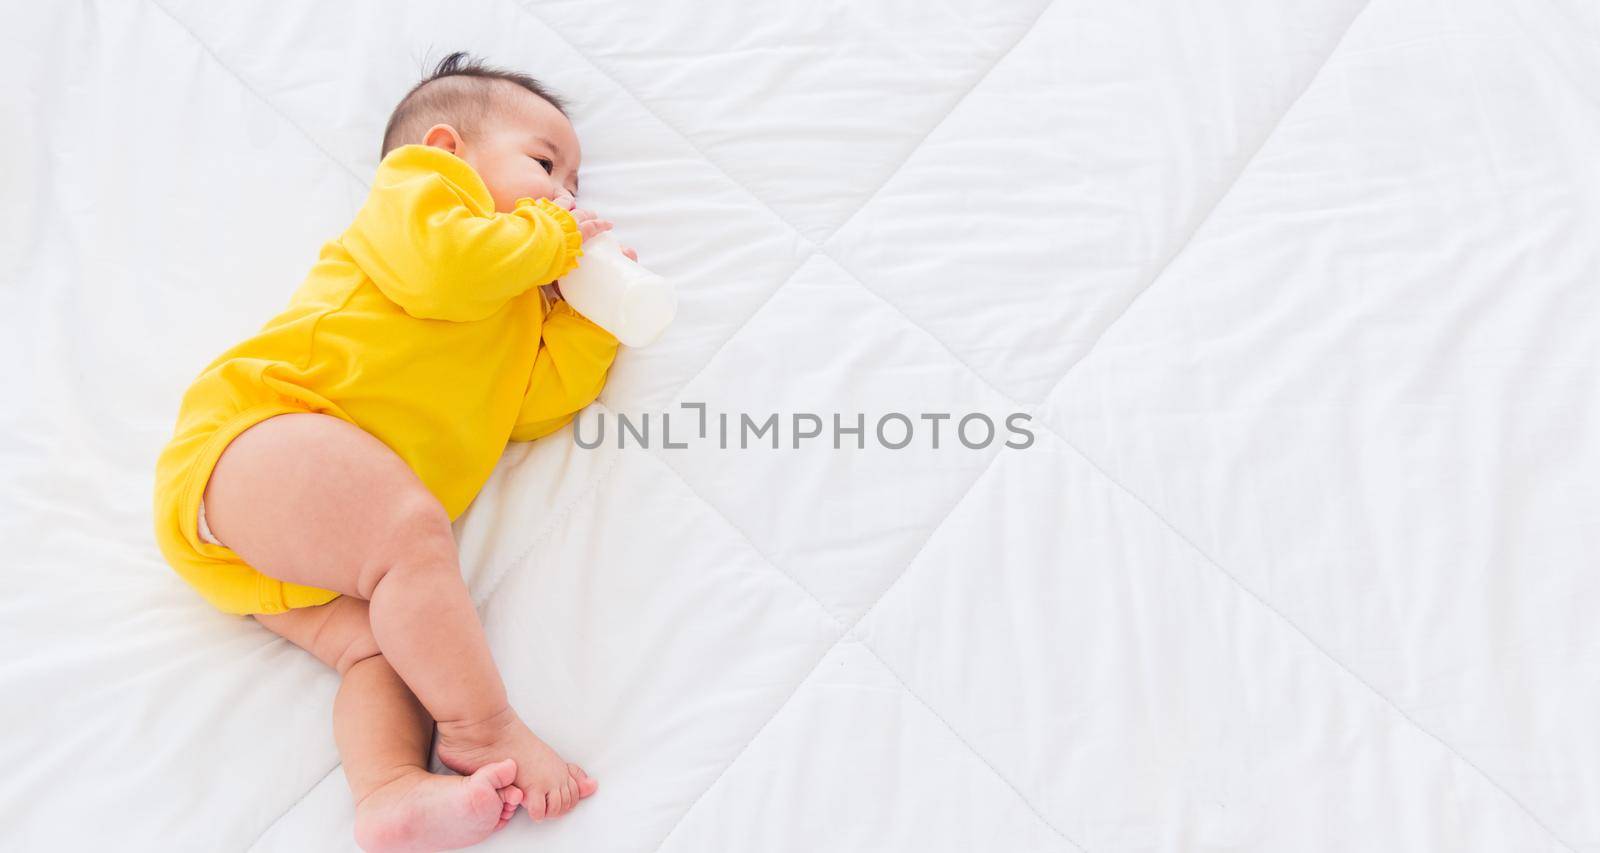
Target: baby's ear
column 443, row 136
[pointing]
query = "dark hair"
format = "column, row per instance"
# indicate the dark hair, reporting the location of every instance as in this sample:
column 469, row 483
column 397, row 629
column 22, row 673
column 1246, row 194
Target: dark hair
column 460, row 92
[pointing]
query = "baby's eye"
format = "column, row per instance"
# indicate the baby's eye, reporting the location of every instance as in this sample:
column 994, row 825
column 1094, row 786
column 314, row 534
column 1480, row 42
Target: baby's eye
column 548, row 164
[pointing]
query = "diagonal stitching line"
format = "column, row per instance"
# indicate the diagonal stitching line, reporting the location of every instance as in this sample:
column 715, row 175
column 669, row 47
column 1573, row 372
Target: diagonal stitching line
column 813, row 247
column 695, row 147
column 804, row 259
column 294, row 805
column 970, row 748
column 256, row 93
column 1252, row 594
column 750, row 543
column 1227, row 191
column 943, row 117
column 810, row 245
column 848, row 631
column 1182, row 244
column 492, row 583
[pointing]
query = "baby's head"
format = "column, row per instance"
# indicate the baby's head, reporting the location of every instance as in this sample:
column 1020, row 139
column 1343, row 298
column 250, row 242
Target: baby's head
column 506, row 125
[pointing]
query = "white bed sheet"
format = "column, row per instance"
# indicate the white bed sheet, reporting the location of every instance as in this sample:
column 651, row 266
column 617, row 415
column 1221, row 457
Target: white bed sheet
column 1301, row 295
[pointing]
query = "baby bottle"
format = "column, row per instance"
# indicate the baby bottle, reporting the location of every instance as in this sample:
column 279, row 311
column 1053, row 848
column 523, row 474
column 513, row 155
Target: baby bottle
column 620, row 296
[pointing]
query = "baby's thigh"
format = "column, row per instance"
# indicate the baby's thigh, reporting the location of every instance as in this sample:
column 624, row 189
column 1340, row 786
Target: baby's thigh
column 314, row 500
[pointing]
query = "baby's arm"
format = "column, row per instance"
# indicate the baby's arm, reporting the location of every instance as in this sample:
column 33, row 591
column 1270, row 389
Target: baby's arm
column 568, row 373
column 430, row 239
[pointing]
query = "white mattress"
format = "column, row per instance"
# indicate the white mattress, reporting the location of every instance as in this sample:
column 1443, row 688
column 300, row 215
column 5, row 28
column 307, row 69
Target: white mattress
column 1301, row 294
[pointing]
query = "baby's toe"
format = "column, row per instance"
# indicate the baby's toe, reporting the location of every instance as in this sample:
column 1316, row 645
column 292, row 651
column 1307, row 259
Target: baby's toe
column 586, row 785
column 534, row 802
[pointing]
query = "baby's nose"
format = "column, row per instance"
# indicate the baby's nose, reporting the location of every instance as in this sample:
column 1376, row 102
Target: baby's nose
column 566, row 200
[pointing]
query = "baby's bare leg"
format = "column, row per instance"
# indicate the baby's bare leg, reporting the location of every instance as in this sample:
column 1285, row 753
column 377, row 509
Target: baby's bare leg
column 383, row 735
column 313, row 500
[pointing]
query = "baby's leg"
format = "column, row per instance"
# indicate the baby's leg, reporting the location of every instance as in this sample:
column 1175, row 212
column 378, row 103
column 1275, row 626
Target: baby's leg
column 313, row 500
column 383, row 735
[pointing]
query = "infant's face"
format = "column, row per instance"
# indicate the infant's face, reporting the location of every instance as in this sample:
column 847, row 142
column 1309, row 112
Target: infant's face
column 527, row 150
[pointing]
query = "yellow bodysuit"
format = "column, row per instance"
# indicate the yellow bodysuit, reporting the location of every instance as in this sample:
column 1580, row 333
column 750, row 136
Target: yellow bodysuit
column 424, row 325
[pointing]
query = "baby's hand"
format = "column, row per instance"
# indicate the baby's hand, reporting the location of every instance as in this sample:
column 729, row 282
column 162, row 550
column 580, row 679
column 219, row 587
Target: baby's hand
column 590, row 223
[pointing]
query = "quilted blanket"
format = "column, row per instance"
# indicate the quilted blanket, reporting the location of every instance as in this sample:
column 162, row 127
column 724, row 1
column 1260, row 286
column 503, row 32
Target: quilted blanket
column 1259, row 336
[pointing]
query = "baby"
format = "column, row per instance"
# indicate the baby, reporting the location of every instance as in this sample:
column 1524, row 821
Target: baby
column 316, row 466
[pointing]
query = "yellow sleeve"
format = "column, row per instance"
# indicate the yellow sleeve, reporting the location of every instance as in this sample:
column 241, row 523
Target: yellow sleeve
column 568, row 373
column 429, row 237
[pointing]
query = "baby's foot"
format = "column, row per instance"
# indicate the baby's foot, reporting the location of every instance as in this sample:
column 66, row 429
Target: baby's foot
column 550, row 786
column 425, row 811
